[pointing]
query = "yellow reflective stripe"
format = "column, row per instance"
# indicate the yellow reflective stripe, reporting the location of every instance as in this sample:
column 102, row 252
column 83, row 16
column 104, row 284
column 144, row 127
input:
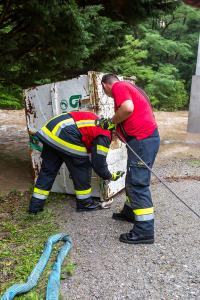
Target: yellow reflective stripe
column 143, row 211
column 62, row 142
column 55, row 117
column 41, row 192
column 60, row 123
column 102, row 148
column 85, row 123
column 83, row 192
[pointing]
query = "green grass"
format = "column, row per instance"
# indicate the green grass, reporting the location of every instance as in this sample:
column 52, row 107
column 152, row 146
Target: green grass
column 22, row 241
column 68, row 269
column 195, row 163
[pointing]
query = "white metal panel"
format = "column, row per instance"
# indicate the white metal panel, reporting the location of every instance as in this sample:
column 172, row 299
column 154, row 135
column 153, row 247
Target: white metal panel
column 82, row 93
column 72, row 95
column 38, row 106
column 117, row 156
column 67, row 95
column 38, row 111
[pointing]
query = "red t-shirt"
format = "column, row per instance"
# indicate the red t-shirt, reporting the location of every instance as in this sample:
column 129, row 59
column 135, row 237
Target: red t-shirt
column 141, row 123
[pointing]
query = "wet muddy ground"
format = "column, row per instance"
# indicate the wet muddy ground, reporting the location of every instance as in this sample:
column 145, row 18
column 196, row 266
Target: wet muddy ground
column 15, row 166
column 176, row 142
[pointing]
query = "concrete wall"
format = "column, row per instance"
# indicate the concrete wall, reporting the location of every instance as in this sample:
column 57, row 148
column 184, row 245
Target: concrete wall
column 194, row 110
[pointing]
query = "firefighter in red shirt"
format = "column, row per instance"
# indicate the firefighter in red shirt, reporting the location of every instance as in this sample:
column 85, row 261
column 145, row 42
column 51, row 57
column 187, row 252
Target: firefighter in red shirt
column 135, row 121
column 70, row 138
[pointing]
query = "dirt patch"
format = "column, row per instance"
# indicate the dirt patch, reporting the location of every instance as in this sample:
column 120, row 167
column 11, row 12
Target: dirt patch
column 181, row 178
column 176, row 142
column 12, row 202
column 176, row 179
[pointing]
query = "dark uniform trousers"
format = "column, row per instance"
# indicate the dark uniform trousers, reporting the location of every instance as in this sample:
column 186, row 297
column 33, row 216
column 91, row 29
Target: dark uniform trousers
column 80, row 171
column 138, row 205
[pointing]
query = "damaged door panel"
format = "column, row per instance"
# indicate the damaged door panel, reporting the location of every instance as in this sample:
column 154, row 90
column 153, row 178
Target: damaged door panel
column 82, row 93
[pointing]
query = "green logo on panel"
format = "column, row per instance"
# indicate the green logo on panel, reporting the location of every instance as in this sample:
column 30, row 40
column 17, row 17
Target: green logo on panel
column 63, row 105
column 71, row 104
column 74, row 101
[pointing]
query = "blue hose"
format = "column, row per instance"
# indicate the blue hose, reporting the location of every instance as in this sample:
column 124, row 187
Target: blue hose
column 54, row 278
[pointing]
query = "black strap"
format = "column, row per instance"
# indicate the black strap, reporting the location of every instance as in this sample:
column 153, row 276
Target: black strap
column 143, row 93
column 126, row 136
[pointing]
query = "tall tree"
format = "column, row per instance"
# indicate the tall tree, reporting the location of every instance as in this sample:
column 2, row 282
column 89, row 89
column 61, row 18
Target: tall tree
column 132, row 11
column 53, row 39
column 161, row 53
column 57, row 39
column 181, row 30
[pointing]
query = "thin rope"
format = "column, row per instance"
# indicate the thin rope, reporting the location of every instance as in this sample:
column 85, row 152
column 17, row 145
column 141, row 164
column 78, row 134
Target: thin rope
column 158, row 177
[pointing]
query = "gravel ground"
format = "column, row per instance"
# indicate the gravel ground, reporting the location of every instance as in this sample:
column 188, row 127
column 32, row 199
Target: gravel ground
column 108, row 269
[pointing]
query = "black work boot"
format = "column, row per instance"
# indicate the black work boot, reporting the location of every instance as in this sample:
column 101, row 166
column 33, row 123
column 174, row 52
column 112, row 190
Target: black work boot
column 87, row 206
column 36, row 205
column 122, row 217
column 132, row 238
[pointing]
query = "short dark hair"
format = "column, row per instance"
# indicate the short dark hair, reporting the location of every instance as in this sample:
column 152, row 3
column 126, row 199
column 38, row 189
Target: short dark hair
column 109, row 78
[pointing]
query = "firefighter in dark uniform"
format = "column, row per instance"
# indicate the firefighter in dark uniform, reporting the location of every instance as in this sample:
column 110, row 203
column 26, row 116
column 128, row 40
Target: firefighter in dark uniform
column 135, row 122
column 70, row 138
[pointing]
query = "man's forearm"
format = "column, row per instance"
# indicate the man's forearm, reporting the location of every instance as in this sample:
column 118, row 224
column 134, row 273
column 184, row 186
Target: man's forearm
column 120, row 117
column 124, row 111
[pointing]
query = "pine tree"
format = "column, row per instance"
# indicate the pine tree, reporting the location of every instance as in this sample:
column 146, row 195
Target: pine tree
column 42, row 41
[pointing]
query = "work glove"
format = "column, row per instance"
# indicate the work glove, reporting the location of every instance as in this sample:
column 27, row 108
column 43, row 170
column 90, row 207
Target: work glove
column 34, row 143
column 117, row 175
column 105, row 123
